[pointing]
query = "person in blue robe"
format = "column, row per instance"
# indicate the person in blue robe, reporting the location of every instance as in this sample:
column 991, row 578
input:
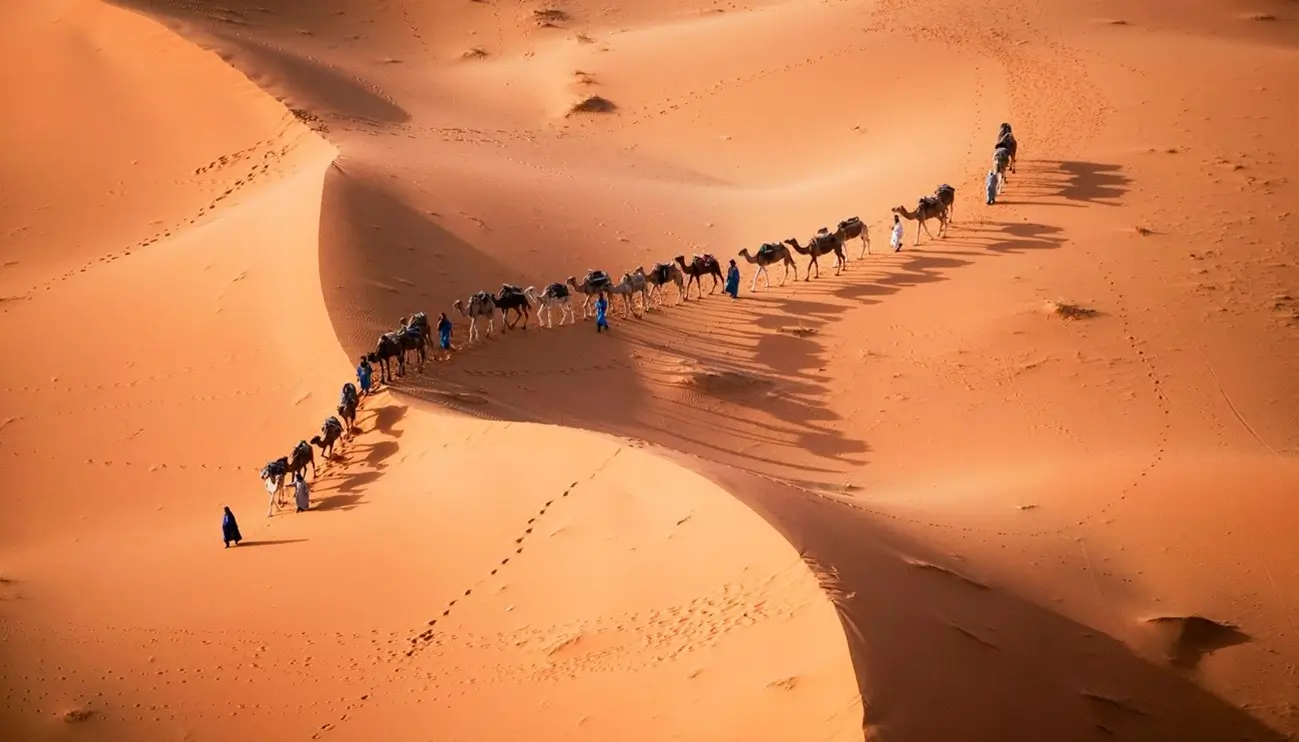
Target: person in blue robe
column 601, row 313
column 733, row 281
column 230, row 529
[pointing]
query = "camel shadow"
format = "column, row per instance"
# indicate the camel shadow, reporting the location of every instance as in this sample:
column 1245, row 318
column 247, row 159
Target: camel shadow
column 340, row 501
column 1015, row 669
column 1081, row 182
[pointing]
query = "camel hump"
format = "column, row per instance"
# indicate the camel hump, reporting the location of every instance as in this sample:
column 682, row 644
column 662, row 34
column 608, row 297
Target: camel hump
column 945, row 188
column 597, row 277
column 850, row 222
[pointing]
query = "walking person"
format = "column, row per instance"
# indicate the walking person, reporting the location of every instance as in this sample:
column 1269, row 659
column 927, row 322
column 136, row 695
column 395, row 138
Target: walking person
column 301, row 494
column 363, row 373
column 230, row 529
column 990, row 184
column 601, row 313
column 896, row 239
column 733, row 280
column 444, row 334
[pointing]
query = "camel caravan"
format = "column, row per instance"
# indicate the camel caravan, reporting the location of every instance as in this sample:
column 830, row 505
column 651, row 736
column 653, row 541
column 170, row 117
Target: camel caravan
column 412, row 341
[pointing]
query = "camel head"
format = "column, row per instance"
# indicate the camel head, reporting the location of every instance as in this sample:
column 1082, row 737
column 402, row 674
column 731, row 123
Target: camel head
column 315, row 441
column 571, row 281
column 744, row 252
column 681, row 259
column 458, row 306
column 900, row 211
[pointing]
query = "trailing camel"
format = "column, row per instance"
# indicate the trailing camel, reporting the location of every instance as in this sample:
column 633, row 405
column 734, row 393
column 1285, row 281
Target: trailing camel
column 699, row 266
column 385, row 351
column 481, row 305
column 512, row 299
column 348, row 401
column 822, row 243
column 592, row 284
column 929, row 207
column 770, row 253
column 660, row 275
column 554, row 295
column 278, row 472
column 330, row 432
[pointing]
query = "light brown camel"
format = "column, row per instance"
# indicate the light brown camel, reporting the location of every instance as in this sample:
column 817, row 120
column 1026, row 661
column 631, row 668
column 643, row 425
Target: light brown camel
column 928, row 208
column 481, row 305
column 592, row 284
column 631, row 285
column 770, row 253
column 947, row 195
column 662, row 274
column 853, row 228
column 822, row 243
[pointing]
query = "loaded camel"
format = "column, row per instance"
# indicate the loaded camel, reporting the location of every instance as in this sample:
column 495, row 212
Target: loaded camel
column 700, row 265
column 554, row 295
column 946, row 194
column 348, row 402
column 512, row 299
column 660, row 275
column 1006, row 140
column 482, row 305
column 631, row 285
column 853, row 228
column 278, row 472
column 770, row 253
column 330, row 432
column 592, row 284
column 929, row 207
column 1000, row 162
column 821, row 243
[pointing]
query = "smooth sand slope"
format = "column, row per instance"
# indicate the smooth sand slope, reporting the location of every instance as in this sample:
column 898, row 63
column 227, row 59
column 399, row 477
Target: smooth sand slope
column 1032, row 481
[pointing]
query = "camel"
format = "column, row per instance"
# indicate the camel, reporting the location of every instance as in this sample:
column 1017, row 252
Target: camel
column 348, row 402
column 629, row 287
column 946, row 194
column 481, row 305
column 273, row 476
column 419, row 321
column 660, row 275
column 554, row 295
column 770, row 253
column 1000, row 160
column 411, row 338
column 330, row 432
column 821, row 243
column 1006, row 140
column 852, row 228
column 700, row 265
column 512, row 299
column 388, row 348
column 928, row 208
column 302, row 456
column 592, row 284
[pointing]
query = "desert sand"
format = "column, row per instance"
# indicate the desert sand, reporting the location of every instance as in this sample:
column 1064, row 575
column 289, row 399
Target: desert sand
column 1034, row 480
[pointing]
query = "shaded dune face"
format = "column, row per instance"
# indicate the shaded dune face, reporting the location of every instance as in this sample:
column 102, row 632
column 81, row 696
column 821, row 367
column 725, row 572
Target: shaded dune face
column 1027, row 480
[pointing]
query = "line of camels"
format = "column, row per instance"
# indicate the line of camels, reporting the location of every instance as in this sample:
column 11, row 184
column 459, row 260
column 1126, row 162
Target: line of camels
column 415, row 334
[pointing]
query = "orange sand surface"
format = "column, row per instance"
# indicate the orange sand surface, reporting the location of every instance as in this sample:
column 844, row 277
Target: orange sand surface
column 1033, row 480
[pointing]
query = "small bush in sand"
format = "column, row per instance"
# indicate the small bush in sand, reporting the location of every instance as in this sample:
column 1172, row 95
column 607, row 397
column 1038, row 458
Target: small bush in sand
column 584, row 39
column 1260, row 17
column 592, row 104
column 1144, row 231
column 800, row 331
column 474, row 52
column 74, row 716
column 549, row 17
column 1067, row 310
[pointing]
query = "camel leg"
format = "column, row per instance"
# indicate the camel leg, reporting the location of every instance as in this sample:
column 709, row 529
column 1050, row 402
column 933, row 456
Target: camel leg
column 840, row 262
column 270, row 503
column 865, row 242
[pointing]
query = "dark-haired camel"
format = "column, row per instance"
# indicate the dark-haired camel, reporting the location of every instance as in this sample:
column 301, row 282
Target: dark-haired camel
column 386, row 350
column 513, row 299
column 349, row 400
column 822, row 243
column 592, row 284
column 481, row 305
column 770, row 253
column 928, row 208
column 1006, row 140
column 280, row 471
column 700, row 265
column 330, row 432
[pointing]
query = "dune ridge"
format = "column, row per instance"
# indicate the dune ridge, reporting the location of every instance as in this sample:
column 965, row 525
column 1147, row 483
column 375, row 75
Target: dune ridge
column 727, row 520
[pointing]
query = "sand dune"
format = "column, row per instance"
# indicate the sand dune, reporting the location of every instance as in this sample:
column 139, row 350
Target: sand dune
column 1029, row 481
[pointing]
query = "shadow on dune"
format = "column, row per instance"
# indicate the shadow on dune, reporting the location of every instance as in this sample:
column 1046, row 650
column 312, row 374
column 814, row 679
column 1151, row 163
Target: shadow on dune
column 297, row 80
column 940, row 654
column 273, row 542
column 1079, row 184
